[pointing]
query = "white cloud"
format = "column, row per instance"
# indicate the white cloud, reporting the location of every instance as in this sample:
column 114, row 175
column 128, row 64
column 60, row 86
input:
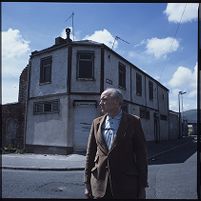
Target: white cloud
column 183, row 79
column 161, row 47
column 102, row 36
column 174, row 12
column 15, row 56
column 140, row 44
column 13, row 44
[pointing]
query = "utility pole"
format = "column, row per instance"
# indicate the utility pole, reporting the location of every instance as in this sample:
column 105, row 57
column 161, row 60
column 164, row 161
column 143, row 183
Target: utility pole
column 179, row 116
column 180, row 123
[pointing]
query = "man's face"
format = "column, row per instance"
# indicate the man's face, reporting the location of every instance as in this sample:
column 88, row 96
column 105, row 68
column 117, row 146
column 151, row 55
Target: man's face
column 108, row 104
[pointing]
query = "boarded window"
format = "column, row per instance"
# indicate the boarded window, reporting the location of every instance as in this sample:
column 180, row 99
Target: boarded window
column 138, row 84
column 46, row 70
column 122, row 75
column 46, row 107
column 85, row 65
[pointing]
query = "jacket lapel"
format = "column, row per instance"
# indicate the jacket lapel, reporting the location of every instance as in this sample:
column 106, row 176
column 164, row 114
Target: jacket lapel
column 121, row 132
column 100, row 139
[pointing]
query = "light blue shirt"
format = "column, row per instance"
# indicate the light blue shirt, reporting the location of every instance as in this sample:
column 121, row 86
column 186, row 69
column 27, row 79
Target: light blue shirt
column 110, row 128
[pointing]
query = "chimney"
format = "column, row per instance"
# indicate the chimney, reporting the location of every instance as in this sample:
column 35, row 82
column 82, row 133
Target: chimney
column 68, row 35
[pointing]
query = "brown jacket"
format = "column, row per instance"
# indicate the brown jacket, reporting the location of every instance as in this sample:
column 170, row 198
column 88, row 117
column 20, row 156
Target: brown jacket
column 124, row 165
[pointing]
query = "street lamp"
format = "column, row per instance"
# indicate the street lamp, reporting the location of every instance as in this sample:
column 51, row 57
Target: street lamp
column 180, row 94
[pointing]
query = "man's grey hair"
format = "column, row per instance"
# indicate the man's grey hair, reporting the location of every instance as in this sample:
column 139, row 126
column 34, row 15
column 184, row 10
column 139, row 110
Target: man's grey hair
column 115, row 93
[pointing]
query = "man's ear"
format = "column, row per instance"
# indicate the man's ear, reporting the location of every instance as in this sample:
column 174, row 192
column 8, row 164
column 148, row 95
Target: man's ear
column 116, row 102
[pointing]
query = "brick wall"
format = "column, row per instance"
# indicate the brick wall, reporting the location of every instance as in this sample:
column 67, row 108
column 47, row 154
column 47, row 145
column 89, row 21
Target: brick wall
column 13, row 116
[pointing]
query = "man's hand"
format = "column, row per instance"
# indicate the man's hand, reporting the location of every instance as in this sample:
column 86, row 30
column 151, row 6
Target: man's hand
column 141, row 193
column 88, row 193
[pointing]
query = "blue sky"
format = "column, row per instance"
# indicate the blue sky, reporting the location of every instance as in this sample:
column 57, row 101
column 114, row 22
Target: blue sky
column 162, row 39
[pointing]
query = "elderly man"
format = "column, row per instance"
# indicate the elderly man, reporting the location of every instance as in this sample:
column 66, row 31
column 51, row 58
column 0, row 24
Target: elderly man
column 116, row 158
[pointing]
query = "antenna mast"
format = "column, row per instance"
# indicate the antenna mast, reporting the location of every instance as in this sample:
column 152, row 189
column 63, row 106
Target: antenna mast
column 72, row 16
column 73, row 24
column 118, row 38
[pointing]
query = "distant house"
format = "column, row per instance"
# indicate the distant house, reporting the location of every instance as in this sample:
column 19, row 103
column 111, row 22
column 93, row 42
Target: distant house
column 173, row 125
column 64, row 87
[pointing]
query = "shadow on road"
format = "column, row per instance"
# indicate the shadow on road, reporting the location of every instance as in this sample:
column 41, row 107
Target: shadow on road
column 176, row 152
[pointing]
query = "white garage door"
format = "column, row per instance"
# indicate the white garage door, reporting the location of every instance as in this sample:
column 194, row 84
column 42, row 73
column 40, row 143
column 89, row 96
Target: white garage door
column 85, row 112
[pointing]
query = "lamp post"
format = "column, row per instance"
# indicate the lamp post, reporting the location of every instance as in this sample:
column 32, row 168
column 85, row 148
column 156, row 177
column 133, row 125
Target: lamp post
column 180, row 94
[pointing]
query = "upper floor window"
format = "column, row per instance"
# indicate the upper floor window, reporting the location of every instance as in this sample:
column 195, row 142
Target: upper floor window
column 46, row 107
column 163, row 117
column 138, row 84
column 46, row 70
column 151, row 92
column 85, row 65
column 144, row 113
column 122, row 75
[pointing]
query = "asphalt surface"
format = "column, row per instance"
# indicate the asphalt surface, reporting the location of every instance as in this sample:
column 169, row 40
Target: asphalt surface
column 77, row 161
column 172, row 167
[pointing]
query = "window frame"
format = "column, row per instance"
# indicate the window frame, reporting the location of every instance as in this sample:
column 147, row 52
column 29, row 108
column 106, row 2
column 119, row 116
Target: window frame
column 138, row 84
column 122, row 75
column 163, row 117
column 151, row 90
column 144, row 113
column 45, row 63
column 41, row 107
column 92, row 60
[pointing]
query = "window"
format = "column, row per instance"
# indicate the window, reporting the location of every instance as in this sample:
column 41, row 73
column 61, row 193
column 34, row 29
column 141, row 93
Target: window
column 122, row 75
column 144, row 113
column 85, row 65
column 124, row 107
column 151, row 95
column 138, row 84
column 163, row 117
column 45, row 70
column 46, row 107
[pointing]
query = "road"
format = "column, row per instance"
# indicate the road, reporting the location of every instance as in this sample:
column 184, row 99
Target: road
column 177, row 154
column 171, row 175
column 42, row 184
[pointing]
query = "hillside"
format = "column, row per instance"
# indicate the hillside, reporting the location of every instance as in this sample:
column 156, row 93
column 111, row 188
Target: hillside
column 190, row 115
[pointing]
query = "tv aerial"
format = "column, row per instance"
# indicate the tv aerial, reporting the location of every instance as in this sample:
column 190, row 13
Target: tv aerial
column 118, row 38
column 71, row 17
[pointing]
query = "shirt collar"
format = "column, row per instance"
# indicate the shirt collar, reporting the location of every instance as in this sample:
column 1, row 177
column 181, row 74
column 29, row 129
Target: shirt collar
column 117, row 117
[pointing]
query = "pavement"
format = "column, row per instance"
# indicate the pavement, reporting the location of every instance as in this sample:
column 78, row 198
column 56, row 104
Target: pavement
column 74, row 162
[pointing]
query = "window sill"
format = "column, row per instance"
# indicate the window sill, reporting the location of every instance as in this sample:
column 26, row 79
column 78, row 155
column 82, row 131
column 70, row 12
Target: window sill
column 85, row 79
column 44, row 83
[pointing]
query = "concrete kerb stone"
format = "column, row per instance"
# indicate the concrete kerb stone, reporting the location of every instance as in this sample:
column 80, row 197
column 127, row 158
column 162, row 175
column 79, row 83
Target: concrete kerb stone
column 43, row 169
